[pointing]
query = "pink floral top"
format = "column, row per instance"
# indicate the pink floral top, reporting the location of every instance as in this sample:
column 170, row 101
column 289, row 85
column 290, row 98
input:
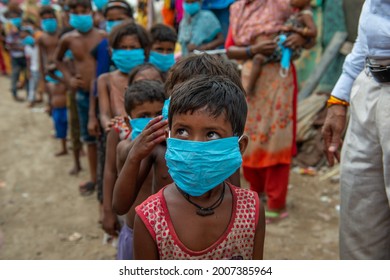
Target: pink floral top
column 235, row 243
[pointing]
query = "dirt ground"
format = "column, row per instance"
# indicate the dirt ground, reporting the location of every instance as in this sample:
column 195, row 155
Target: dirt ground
column 43, row 216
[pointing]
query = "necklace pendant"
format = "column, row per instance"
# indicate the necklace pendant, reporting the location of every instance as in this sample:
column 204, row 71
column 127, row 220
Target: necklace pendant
column 204, row 212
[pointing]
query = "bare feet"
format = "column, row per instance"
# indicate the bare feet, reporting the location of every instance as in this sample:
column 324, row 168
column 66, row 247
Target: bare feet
column 62, row 153
column 18, row 99
column 75, row 170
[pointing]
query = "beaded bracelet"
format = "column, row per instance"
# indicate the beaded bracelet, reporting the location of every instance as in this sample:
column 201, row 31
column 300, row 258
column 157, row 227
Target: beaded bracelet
column 336, row 101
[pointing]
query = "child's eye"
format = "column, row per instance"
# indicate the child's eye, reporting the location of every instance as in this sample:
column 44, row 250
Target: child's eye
column 182, row 132
column 212, row 135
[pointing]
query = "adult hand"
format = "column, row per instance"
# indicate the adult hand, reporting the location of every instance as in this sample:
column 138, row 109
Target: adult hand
column 266, row 47
column 295, row 41
column 331, row 132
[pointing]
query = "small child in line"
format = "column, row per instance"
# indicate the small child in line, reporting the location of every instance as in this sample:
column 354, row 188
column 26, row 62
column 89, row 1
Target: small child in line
column 200, row 215
column 301, row 22
column 58, row 97
column 31, row 52
column 144, row 101
column 81, row 42
column 164, row 40
column 130, row 46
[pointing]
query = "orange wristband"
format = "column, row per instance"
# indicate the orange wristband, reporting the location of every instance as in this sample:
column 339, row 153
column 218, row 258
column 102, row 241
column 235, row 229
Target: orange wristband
column 335, row 101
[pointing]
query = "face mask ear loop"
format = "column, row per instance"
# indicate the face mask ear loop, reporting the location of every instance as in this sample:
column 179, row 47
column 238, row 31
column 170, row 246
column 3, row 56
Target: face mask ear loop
column 239, row 139
column 169, row 133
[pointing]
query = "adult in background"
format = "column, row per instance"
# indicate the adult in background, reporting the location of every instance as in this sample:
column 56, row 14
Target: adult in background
column 270, row 121
column 365, row 159
column 220, row 8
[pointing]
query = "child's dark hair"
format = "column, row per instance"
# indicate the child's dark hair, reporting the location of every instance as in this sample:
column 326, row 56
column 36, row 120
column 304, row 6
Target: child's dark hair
column 29, row 21
column 216, row 94
column 141, row 68
column 143, row 91
column 203, row 64
column 129, row 28
column 47, row 10
column 83, row 3
column 119, row 4
column 163, row 33
column 14, row 11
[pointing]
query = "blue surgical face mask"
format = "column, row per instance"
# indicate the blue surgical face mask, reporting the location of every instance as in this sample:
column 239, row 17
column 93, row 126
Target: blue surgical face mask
column 198, row 167
column 137, row 126
column 286, row 56
column 100, row 4
column 165, row 109
column 45, row 2
column 28, row 41
column 83, row 23
column 69, row 55
column 191, row 8
column 110, row 24
column 16, row 21
column 162, row 61
column 49, row 25
column 57, row 73
column 125, row 60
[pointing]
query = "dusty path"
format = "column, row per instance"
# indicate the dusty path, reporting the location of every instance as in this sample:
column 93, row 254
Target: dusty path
column 41, row 207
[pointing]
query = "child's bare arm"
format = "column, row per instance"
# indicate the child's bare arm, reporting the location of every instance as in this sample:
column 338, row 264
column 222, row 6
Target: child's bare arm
column 310, row 29
column 41, row 60
column 93, row 123
column 144, row 246
column 258, row 247
column 110, row 223
column 104, row 101
column 133, row 174
column 122, row 151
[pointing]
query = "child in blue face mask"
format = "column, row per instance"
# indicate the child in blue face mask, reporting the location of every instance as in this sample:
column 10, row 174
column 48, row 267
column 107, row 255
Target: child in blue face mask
column 13, row 43
column 81, row 42
column 164, row 40
column 143, row 101
column 199, row 29
column 200, row 215
column 31, row 52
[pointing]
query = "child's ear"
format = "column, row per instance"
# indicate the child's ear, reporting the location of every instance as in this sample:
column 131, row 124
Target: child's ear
column 243, row 143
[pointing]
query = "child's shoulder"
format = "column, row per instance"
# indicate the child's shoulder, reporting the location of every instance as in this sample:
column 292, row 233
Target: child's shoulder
column 155, row 201
column 242, row 192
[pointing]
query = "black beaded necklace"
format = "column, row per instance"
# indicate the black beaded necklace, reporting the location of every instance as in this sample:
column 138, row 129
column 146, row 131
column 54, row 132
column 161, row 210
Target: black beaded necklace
column 204, row 211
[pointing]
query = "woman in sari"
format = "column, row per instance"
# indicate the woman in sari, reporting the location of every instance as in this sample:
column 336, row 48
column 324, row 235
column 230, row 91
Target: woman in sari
column 271, row 108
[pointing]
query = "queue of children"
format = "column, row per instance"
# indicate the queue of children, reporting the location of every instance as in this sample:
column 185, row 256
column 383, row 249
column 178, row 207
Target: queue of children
column 164, row 138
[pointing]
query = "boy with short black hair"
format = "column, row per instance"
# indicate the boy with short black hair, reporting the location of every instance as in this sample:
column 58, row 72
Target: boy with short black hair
column 144, row 100
column 81, row 41
column 200, row 215
column 164, row 40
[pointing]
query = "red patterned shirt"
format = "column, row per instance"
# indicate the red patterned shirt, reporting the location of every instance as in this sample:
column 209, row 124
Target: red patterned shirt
column 235, row 243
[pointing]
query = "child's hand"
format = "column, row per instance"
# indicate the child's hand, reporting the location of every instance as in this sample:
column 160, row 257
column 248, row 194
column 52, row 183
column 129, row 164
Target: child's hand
column 151, row 136
column 76, row 82
column 113, row 122
column 93, row 126
column 110, row 223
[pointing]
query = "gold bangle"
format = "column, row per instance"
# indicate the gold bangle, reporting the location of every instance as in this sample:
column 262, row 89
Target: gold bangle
column 336, row 101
